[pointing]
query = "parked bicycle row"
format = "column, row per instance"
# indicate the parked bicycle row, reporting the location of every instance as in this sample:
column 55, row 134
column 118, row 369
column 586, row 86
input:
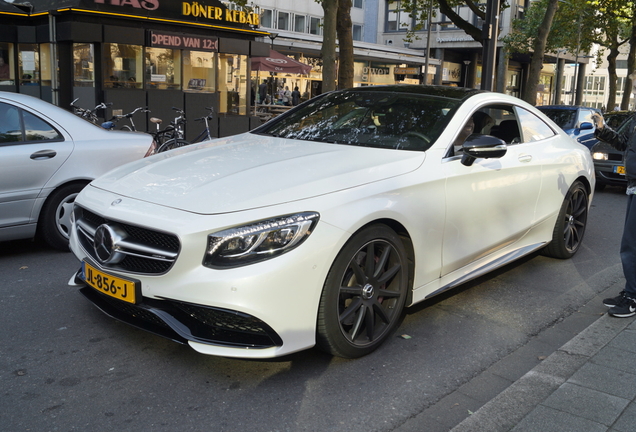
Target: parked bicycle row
column 168, row 138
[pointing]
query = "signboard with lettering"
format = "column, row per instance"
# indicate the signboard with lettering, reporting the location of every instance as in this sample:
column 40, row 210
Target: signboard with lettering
column 406, row 71
column 211, row 12
column 182, row 41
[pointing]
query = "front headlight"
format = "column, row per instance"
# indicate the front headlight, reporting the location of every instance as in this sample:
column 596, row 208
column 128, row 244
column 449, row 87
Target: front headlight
column 599, row 156
column 258, row 241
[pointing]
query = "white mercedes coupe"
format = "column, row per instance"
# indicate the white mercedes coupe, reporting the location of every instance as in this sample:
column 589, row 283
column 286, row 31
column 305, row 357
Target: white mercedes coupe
column 322, row 225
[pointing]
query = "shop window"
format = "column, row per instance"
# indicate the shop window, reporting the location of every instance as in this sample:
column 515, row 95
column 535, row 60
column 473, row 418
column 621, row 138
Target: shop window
column 122, row 66
column 300, row 23
column 357, row 32
column 163, row 69
column 315, row 26
column 7, row 66
column 45, row 65
column 83, row 65
column 232, row 84
column 29, row 64
column 267, row 18
column 283, row 20
column 199, row 71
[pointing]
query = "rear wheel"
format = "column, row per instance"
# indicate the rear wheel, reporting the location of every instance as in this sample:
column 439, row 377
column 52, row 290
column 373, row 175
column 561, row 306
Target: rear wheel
column 55, row 218
column 172, row 144
column 364, row 294
column 570, row 226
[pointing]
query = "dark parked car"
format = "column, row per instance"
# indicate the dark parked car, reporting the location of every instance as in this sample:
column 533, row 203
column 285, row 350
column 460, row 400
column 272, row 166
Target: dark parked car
column 576, row 121
column 609, row 164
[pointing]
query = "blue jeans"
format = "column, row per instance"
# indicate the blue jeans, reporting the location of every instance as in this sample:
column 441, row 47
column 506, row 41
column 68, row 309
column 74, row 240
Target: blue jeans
column 628, row 247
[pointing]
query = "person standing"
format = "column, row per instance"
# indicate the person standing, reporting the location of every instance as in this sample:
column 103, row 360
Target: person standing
column 262, row 92
column 295, row 96
column 624, row 305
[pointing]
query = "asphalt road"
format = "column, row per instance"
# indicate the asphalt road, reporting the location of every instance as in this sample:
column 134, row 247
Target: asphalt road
column 65, row 366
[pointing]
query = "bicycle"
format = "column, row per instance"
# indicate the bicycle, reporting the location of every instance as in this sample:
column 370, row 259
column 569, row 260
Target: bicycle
column 86, row 114
column 112, row 122
column 205, row 133
column 173, row 136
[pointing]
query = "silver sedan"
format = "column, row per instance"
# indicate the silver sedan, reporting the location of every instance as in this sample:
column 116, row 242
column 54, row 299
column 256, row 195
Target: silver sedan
column 47, row 156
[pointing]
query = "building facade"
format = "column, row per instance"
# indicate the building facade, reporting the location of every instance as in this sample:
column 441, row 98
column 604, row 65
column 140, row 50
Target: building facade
column 157, row 54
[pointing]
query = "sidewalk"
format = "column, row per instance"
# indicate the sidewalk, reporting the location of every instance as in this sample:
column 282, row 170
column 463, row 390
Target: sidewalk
column 587, row 385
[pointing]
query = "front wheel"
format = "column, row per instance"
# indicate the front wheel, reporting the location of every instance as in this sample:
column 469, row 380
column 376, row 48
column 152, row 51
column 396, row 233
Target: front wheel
column 570, row 225
column 172, row 144
column 55, row 219
column 364, row 294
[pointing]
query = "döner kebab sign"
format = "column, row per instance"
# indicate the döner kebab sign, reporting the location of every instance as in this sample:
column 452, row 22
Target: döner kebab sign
column 210, row 10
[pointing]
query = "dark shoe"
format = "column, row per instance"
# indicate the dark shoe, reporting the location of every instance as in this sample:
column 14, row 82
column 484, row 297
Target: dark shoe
column 611, row 302
column 625, row 308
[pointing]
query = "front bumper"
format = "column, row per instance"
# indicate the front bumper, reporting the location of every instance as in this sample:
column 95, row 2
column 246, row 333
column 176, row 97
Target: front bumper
column 184, row 322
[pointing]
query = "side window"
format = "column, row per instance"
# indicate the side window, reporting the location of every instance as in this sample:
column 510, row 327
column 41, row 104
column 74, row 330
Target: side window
column 532, row 127
column 10, row 127
column 504, row 123
column 585, row 116
column 36, row 129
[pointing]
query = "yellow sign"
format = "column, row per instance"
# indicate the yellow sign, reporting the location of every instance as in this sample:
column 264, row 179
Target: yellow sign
column 198, row 10
column 406, row 71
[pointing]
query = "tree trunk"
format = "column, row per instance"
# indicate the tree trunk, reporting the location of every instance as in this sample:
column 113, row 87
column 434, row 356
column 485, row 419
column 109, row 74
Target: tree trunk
column 328, row 51
column 611, row 69
column 631, row 58
column 536, row 62
column 345, row 42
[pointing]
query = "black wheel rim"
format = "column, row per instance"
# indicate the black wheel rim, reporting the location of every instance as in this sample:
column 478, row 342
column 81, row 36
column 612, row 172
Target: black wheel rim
column 575, row 220
column 371, row 293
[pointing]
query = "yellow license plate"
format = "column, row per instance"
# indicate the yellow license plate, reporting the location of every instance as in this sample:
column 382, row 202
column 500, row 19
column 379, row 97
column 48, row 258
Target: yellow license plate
column 119, row 288
column 619, row 169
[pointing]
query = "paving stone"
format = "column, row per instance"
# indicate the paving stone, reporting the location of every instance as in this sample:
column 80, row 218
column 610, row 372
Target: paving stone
column 607, row 380
column 587, row 403
column 545, row 419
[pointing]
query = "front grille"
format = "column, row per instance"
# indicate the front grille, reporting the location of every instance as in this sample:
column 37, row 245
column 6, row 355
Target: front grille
column 184, row 322
column 143, row 251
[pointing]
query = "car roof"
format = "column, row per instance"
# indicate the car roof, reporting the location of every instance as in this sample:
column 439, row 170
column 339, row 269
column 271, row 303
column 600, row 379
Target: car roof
column 566, row 107
column 434, row 90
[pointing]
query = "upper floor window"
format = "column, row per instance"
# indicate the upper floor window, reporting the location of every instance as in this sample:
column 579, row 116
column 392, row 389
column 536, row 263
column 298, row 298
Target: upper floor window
column 315, row 26
column 357, row 4
column 300, row 23
column 283, row 20
column 267, row 18
column 397, row 18
column 357, row 32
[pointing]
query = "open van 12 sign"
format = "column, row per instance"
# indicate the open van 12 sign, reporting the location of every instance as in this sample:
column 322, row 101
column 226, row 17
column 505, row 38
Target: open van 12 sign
column 183, row 41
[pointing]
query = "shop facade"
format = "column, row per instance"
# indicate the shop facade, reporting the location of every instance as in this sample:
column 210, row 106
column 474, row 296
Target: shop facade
column 157, row 54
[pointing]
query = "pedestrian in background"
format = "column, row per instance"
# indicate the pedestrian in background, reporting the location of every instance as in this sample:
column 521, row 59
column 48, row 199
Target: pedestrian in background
column 624, row 305
column 295, row 96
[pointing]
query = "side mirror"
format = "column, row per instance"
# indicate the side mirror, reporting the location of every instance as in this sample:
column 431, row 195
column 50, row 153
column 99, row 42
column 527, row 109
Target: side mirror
column 479, row 146
column 586, row 126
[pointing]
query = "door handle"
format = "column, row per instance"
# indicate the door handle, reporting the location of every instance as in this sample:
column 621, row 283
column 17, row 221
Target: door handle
column 525, row 158
column 43, row 154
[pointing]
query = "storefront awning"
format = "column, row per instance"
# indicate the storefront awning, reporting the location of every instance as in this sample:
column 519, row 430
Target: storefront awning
column 277, row 62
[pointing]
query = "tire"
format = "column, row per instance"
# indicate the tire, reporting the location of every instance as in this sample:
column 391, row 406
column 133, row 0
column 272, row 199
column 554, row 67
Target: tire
column 126, row 128
column 54, row 224
column 172, row 144
column 364, row 293
column 570, row 225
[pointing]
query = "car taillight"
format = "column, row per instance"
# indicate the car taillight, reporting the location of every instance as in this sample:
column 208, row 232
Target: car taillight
column 152, row 150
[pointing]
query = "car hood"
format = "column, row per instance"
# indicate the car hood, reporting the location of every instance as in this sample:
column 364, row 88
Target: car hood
column 248, row 171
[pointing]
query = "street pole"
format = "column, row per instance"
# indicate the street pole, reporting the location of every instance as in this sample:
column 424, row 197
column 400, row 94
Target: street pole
column 490, row 34
column 428, row 40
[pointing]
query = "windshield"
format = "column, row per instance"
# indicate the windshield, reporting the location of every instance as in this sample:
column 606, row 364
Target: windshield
column 371, row 119
column 565, row 118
